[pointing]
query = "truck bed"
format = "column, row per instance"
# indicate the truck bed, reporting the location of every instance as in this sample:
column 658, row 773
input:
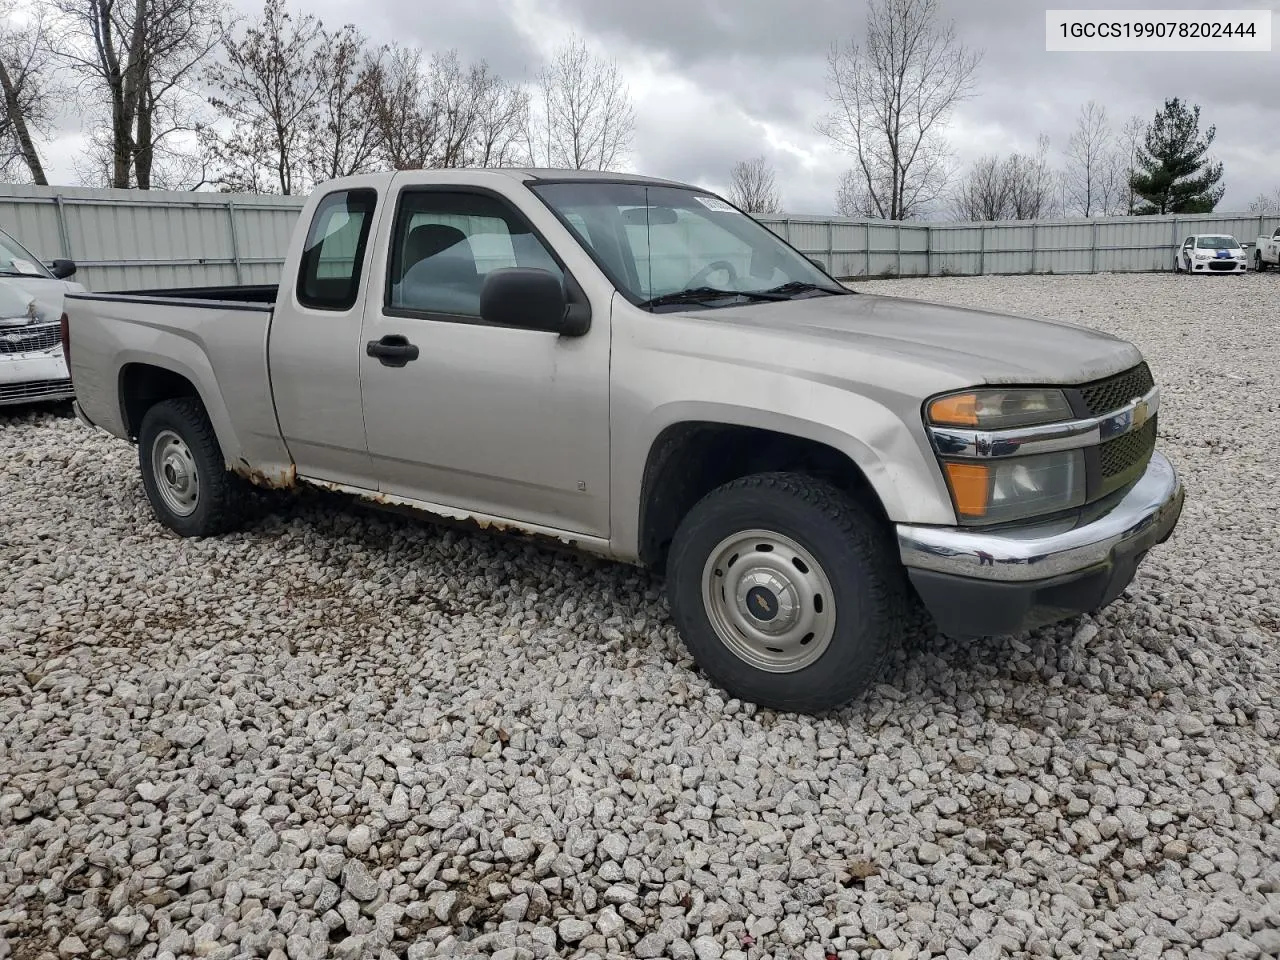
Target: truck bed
column 213, row 337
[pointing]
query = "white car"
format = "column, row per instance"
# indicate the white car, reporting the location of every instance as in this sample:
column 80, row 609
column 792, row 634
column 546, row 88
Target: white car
column 1210, row 253
column 32, row 367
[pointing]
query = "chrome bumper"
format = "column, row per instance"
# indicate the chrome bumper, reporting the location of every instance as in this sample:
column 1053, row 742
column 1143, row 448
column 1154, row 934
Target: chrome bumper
column 1144, row 517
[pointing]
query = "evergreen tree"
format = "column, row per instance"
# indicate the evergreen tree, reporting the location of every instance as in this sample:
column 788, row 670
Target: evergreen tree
column 1174, row 174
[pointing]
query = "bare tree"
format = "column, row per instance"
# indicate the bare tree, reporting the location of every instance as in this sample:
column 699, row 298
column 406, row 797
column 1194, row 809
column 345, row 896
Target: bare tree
column 752, row 186
column 407, row 127
column 140, row 60
column 1132, row 135
column 1267, row 204
column 270, row 88
column 501, row 125
column 446, row 114
column 983, row 192
column 1090, row 175
column 585, row 119
column 343, row 137
column 1031, row 183
column 852, row 198
column 891, row 97
column 27, row 82
column 1022, row 186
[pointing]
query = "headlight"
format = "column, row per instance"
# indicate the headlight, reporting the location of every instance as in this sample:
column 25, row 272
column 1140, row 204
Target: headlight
column 1202, row 256
column 999, row 409
column 1018, row 488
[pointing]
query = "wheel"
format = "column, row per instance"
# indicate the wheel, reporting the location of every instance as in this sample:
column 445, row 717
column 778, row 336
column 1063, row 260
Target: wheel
column 1258, row 263
column 787, row 592
column 183, row 472
column 1177, row 265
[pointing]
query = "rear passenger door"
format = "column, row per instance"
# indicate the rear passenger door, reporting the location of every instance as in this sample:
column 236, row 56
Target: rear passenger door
column 500, row 420
column 313, row 348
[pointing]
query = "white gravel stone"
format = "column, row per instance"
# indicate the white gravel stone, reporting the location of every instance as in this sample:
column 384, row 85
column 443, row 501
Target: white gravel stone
column 399, row 740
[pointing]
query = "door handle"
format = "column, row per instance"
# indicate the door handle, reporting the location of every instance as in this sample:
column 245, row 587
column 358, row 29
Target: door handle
column 393, row 350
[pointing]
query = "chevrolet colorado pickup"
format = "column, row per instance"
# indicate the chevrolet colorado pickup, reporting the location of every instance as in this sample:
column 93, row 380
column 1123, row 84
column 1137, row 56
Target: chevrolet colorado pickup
column 637, row 368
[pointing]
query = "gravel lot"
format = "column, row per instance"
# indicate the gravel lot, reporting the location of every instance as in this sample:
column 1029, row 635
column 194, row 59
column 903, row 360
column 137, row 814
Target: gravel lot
column 347, row 734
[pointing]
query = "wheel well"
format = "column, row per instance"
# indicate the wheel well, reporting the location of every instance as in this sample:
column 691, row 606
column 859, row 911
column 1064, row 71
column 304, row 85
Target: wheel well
column 689, row 460
column 142, row 386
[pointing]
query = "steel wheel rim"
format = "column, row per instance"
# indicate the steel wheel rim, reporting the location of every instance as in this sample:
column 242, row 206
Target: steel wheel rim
column 174, row 469
column 769, row 601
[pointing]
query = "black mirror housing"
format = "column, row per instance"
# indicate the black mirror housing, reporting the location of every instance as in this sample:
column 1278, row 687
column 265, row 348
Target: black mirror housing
column 62, row 269
column 528, row 297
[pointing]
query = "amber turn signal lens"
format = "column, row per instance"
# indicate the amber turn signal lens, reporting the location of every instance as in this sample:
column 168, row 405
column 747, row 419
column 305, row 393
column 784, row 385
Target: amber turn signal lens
column 970, row 486
column 958, row 410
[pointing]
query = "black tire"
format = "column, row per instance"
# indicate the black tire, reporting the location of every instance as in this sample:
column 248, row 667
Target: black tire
column 1177, row 264
column 221, row 495
column 1259, row 265
column 854, row 553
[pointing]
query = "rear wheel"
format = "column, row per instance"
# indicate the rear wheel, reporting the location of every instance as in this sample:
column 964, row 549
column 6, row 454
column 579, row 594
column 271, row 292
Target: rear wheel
column 787, row 592
column 183, row 472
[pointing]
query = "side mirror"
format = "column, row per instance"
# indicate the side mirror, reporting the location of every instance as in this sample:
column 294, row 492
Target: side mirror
column 818, row 263
column 528, row 297
column 62, row 269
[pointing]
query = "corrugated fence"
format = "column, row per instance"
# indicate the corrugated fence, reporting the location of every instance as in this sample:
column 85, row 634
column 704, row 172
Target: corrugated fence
column 861, row 248
column 131, row 239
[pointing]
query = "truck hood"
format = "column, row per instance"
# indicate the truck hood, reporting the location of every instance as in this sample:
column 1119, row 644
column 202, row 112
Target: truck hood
column 978, row 346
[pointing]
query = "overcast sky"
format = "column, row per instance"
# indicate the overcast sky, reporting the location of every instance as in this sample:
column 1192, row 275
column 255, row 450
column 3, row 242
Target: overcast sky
column 715, row 81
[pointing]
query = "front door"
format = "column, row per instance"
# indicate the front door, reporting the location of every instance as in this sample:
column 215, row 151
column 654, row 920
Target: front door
column 498, row 420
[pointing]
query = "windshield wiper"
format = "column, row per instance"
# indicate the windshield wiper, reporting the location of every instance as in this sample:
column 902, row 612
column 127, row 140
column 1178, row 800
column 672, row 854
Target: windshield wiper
column 19, row 273
column 803, row 286
column 703, row 294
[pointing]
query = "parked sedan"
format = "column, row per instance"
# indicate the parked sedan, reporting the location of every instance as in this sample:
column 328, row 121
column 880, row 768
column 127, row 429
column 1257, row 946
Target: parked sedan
column 32, row 366
column 1210, row 253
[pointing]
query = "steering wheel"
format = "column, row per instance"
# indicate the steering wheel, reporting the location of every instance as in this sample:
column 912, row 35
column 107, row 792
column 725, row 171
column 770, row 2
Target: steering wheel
column 699, row 279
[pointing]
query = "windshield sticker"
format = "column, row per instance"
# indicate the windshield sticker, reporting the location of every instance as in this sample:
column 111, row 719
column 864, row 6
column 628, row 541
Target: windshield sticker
column 25, row 266
column 714, row 203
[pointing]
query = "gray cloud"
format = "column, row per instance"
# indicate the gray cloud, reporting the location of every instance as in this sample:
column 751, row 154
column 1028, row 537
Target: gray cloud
column 717, row 81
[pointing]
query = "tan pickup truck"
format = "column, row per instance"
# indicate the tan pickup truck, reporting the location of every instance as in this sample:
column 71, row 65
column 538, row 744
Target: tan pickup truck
column 639, row 369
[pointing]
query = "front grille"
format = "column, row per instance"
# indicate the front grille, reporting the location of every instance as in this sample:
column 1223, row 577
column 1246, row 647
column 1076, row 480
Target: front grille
column 1222, row 264
column 1103, row 396
column 1123, row 459
column 43, row 336
column 36, row 390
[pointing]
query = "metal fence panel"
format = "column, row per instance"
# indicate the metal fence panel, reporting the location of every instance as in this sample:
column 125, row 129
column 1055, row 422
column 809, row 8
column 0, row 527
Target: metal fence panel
column 125, row 239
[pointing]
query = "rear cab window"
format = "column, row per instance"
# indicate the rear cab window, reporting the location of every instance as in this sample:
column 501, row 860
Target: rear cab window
column 333, row 256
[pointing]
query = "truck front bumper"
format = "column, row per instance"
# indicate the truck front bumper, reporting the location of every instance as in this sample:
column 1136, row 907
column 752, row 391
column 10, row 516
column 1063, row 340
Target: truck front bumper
column 984, row 583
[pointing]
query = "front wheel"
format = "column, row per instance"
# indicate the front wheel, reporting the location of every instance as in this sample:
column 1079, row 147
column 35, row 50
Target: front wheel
column 183, row 471
column 787, row 592
column 1258, row 263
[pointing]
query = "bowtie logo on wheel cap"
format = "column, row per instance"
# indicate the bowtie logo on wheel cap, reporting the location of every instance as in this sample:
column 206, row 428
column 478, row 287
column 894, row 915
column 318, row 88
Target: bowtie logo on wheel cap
column 762, row 603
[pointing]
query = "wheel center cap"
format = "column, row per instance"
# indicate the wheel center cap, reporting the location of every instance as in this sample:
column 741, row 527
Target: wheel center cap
column 762, row 603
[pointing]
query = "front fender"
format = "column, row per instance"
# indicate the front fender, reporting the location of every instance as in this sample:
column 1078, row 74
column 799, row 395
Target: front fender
column 899, row 466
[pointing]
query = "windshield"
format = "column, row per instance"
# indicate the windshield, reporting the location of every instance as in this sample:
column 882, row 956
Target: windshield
column 16, row 259
column 658, row 241
column 1216, row 243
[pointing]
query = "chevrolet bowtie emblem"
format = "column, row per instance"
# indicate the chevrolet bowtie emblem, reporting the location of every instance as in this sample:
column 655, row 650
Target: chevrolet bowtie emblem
column 1141, row 412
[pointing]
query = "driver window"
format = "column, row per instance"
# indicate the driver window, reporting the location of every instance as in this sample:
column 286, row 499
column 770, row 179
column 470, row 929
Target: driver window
column 445, row 244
